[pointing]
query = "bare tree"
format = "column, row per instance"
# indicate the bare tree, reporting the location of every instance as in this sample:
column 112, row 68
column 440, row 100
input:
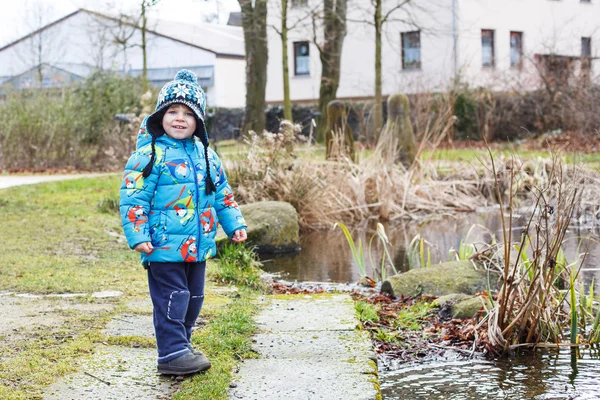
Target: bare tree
column 145, row 5
column 377, row 15
column 330, row 53
column 283, row 31
column 254, row 24
column 124, row 30
column 42, row 46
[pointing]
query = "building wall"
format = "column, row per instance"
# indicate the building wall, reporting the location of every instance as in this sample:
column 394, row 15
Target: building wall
column 85, row 39
column 548, row 26
column 230, row 83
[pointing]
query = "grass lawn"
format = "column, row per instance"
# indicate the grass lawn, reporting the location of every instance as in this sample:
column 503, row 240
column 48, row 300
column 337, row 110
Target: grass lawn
column 56, row 239
column 236, row 150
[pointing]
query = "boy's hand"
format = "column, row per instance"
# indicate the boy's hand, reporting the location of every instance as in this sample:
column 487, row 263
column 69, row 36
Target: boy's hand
column 239, row 236
column 145, row 247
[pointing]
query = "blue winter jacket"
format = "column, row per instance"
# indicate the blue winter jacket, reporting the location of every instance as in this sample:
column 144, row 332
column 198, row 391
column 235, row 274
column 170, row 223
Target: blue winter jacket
column 170, row 208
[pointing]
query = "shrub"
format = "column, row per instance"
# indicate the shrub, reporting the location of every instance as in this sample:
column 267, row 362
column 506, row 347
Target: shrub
column 72, row 127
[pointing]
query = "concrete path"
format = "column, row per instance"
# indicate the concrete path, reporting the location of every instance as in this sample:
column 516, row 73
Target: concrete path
column 116, row 372
column 17, row 180
column 309, row 348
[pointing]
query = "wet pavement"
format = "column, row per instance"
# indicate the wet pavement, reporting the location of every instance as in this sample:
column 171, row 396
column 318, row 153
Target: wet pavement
column 309, row 348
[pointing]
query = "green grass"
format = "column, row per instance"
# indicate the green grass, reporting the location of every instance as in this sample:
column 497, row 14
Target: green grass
column 476, row 154
column 366, row 312
column 238, row 265
column 225, row 341
column 412, row 317
column 238, row 151
column 65, row 237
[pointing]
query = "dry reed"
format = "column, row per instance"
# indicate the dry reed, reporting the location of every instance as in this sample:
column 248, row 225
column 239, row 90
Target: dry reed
column 325, row 192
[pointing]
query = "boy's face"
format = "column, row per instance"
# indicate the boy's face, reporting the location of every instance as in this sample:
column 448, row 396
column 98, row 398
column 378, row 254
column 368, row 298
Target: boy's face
column 179, row 122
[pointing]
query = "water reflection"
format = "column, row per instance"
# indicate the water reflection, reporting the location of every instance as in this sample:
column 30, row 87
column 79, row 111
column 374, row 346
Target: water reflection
column 326, row 257
column 543, row 375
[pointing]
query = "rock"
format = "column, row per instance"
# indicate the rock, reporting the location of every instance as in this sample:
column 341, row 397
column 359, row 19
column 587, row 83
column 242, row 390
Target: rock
column 272, row 227
column 439, row 280
column 451, row 299
column 467, row 308
column 458, row 305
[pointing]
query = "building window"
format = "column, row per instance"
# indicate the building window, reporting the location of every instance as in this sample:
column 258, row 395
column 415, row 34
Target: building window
column 299, row 3
column 586, row 47
column 301, row 58
column 516, row 49
column 487, row 48
column 411, row 50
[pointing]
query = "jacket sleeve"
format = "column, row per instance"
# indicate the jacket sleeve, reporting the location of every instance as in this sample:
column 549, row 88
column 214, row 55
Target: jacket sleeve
column 228, row 212
column 136, row 195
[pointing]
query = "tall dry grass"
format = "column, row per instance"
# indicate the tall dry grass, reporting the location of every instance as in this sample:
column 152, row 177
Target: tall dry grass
column 325, row 192
column 541, row 300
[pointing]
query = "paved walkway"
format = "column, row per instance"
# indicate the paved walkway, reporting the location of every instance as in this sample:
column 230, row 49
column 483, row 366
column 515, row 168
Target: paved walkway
column 17, row 180
column 309, row 348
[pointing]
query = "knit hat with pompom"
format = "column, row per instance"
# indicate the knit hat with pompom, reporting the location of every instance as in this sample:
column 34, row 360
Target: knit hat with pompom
column 184, row 89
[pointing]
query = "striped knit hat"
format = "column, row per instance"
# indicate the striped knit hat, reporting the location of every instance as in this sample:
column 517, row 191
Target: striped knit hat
column 184, row 89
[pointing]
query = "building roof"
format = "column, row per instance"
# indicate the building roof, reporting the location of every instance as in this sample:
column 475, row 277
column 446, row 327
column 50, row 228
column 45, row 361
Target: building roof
column 220, row 39
column 224, row 41
column 57, row 78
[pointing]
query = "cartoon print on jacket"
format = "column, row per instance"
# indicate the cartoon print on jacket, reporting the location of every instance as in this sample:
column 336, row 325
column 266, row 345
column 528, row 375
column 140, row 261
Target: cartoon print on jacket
column 134, row 182
column 189, row 250
column 207, row 220
column 137, row 217
column 182, row 219
column 158, row 232
column 178, row 169
column 228, row 200
column 182, row 206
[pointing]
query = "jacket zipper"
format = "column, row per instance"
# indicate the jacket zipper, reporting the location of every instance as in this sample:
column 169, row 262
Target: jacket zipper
column 197, row 207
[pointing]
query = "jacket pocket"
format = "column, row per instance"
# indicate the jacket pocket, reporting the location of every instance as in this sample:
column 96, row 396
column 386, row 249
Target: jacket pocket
column 158, row 228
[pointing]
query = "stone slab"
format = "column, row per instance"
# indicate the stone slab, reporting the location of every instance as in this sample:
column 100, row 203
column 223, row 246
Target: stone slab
column 332, row 345
column 307, row 379
column 130, row 325
column 311, row 313
column 308, row 349
column 119, row 373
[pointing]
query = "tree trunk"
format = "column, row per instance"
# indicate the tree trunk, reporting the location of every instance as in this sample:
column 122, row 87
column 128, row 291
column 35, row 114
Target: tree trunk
column 254, row 23
column 144, row 54
column 377, row 109
column 334, row 31
column 287, row 102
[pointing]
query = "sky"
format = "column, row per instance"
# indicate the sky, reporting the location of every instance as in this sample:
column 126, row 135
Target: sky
column 16, row 17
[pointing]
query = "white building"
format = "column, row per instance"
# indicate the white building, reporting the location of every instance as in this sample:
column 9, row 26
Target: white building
column 492, row 43
column 83, row 41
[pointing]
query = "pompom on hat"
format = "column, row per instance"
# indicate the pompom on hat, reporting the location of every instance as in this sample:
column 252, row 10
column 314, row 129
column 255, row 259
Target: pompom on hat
column 184, row 89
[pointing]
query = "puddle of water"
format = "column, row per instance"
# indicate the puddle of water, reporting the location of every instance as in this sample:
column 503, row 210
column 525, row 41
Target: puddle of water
column 326, row 256
column 544, row 375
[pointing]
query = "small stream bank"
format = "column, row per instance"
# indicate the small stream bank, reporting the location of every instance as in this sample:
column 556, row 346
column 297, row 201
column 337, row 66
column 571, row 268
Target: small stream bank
column 540, row 375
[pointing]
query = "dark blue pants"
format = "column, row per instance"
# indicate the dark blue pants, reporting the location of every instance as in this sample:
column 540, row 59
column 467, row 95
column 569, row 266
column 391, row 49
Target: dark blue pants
column 177, row 292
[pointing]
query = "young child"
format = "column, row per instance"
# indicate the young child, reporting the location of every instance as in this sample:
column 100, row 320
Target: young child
column 174, row 191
